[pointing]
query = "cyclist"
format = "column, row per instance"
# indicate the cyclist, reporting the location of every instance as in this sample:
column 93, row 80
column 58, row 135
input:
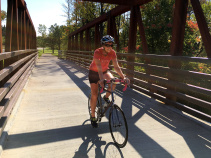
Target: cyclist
column 98, row 71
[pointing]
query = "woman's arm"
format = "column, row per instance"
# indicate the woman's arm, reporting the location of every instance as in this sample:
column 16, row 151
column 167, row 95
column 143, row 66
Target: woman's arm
column 117, row 68
column 100, row 72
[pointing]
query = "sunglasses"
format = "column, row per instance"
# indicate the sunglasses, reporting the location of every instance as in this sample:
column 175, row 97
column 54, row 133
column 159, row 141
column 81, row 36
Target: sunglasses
column 108, row 45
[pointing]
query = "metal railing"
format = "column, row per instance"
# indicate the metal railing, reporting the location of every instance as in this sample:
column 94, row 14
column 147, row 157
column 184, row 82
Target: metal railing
column 18, row 60
column 13, row 79
column 155, row 75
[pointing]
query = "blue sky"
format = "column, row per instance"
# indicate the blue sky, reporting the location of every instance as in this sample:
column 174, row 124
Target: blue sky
column 47, row 12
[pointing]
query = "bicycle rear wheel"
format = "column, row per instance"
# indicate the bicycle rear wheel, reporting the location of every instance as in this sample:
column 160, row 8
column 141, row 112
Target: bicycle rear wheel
column 118, row 126
column 97, row 109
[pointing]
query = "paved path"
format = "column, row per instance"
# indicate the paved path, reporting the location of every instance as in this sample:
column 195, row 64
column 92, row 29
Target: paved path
column 51, row 120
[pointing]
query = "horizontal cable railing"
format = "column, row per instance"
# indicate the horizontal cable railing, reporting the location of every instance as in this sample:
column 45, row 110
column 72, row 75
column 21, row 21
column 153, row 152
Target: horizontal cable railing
column 167, row 78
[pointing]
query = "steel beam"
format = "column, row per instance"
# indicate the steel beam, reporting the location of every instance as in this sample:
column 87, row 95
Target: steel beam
column 141, row 30
column 69, row 43
column 120, row 2
column 203, row 27
column 113, row 13
column 81, row 41
column 0, row 34
column 97, row 36
column 178, row 31
column 132, row 40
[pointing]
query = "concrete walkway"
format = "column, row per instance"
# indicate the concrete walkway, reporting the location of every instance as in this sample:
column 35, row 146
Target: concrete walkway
column 51, row 121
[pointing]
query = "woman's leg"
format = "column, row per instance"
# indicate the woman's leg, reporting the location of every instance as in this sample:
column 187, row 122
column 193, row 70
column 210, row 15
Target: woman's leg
column 109, row 76
column 94, row 95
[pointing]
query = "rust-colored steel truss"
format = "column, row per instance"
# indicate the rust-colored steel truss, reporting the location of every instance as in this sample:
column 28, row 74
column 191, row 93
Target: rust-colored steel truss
column 122, row 2
column 178, row 32
column 20, row 31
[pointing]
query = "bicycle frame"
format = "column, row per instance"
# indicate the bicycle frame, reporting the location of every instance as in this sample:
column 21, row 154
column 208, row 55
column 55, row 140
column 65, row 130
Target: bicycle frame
column 102, row 113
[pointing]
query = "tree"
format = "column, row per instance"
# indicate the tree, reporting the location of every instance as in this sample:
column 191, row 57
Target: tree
column 42, row 39
column 3, row 15
column 54, row 37
column 67, row 8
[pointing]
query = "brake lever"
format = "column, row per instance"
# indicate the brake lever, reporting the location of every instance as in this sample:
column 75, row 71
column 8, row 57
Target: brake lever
column 124, row 89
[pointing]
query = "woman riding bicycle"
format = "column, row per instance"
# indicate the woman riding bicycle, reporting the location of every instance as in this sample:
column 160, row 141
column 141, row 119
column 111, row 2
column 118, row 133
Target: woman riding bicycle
column 98, row 72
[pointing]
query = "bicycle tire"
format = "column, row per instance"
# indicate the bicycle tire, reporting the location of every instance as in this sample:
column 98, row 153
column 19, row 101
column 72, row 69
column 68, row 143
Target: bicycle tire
column 97, row 109
column 118, row 126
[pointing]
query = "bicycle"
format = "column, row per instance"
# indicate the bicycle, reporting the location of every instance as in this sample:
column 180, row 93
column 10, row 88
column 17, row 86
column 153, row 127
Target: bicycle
column 117, row 121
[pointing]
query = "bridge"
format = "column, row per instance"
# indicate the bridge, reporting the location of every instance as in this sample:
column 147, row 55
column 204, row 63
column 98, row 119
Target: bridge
column 44, row 100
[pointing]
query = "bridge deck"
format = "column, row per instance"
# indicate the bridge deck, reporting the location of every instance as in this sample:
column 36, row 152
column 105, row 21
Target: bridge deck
column 51, row 120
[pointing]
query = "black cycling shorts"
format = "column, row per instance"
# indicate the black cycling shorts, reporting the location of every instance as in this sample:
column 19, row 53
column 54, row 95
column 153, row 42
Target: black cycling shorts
column 94, row 76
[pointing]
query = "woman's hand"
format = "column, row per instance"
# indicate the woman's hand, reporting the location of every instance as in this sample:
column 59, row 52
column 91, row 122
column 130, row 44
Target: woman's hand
column 126, row 80
column 101, row 82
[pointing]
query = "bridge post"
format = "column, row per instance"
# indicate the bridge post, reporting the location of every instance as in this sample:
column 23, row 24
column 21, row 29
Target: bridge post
column 76, row 42
column 81, row 41
column 178, row 33
column 0, row 37
column 11, row 40
column 203, row 27
column 88, row 39
column 1, row 62
column 110, row 25
column 112, row 30
column 142, row 31
column 24, row 30
column 20, row 12
column 144, row 44
column 116, row 37
column 27, row 33
column 97, row 36
column 132, row 42
column 72, row 43
column 69, row 43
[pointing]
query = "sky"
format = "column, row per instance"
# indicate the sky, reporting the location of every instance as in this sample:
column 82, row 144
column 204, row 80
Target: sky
column 46, row 12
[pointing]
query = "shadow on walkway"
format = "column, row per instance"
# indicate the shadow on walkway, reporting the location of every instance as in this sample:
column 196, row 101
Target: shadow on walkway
column 154, row 129
column 196, row 137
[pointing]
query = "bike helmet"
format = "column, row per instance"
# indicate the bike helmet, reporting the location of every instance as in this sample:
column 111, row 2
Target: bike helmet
column 106, row 39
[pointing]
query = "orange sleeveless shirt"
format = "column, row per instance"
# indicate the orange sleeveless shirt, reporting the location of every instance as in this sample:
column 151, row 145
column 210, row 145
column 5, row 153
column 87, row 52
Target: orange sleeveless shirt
column 104, row 60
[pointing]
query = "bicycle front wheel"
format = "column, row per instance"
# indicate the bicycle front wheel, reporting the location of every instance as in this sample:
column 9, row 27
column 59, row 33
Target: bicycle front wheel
column 118, row 126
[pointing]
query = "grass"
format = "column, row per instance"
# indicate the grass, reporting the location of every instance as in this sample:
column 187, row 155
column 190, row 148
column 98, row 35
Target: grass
column 47, row 51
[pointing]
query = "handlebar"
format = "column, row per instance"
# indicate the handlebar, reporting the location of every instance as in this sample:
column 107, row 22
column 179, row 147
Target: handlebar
column 115, row 81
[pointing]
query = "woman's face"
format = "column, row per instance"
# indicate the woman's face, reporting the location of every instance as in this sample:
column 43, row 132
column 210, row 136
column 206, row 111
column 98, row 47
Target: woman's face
column 108, row 46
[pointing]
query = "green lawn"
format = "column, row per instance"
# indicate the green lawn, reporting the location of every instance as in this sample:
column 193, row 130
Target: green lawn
column 47, row 51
